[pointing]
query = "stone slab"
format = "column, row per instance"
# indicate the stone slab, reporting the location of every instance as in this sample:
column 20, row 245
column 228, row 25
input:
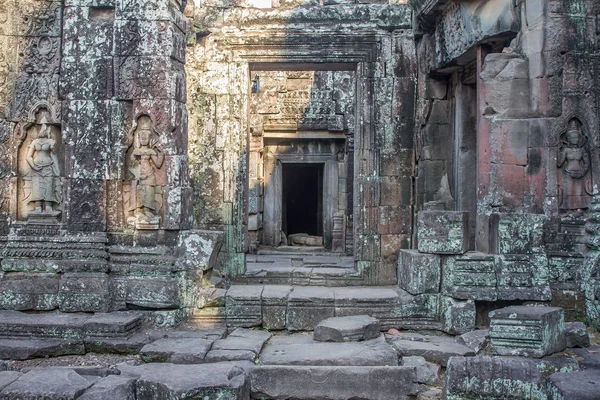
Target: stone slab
column 436, row 349
column 578, row 385
column 47, row 383
column 243, row 339
column 115, row 324
column 214, row 356
column 166, row 380
column 305, row 351
column 493, row 378
column 527, row 331
column 8, row 377
column 111, row 387
column 333, row 382
column 24, row 349
column 16, row 324
column 347, row 329
column 177, row 351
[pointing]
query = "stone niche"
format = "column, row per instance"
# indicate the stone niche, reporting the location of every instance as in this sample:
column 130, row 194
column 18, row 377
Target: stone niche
column 301, row 126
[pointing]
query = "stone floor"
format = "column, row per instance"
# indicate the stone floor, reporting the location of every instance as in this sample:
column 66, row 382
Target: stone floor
column 214, row 363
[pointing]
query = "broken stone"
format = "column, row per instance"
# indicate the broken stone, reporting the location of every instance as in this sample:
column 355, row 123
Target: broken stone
column 493, row 378
column 111, row 387
column 437, row 349
column 576, row 334
column 527, row 331
column 347, row 329
column 47, row 383
column 426, row 372
column 24, row 349
column 579, row 385
column 160, row 381
column 177, row 351
column 476, row 340
column 304, row 351
column 333, row 382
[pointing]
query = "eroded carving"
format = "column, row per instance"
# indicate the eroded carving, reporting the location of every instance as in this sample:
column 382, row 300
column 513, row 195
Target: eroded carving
column 40, row 170
column 574, row 163
column 144, row 193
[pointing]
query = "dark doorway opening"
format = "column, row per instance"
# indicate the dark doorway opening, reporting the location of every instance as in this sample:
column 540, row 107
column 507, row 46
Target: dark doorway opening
column 302, row 199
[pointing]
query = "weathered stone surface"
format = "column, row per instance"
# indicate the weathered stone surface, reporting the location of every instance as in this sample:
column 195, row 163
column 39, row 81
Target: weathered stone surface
column 243, row 306
column 116, row 324
column 159, row 381
column 84, row 292
column 493, row 378
column 419, row 273
column 214, row 356
column 347, row 329
column 576, row 334
column 476, row 340
column 589, row 358
column 458, row 316
column 579, row 385
column 332, row 383
column 177, row 351
column 47, row 383
column 471, row 276
column 436, row 349
column 23, row 349
column 243, row 339
column 426, row 372
column 442, row 232
column 274, row 305
column 129, row 345
column 302, row 350
column 8, row 377
column 527, row 331
column 307, row 306
column 111, row 387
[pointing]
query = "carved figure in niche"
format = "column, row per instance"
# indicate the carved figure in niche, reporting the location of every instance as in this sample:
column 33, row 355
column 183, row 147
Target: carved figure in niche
column 145, row 160
column 574, row 162
column 43, row 188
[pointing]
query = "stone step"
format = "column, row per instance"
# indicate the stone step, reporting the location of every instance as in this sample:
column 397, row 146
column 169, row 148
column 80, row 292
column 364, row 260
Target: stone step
column 15, row 324
column 299, row 308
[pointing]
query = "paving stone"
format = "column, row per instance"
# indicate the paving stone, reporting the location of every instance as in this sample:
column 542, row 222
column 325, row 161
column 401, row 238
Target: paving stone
column 493, row 378
column 24, row 349
column 83, row 370
column 47, row 383
column 333, row 382
column 579, row 385
column 210, row 334
column 178, row 351
column 130, row 345
column 347, row 329
column 111, row 387
column 307, row 306
column 214, row 356
column 589, row 358
column 527, row 331
column 576, row 334
column 303, row 351
column 437, row 349
column 8, row 377
column 476, row 340
column 426, row 372
column 243, row 339
column 172, row 381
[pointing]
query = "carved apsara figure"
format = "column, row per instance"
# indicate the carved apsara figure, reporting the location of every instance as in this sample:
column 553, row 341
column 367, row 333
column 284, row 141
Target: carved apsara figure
column 45, row 172
column 574, row 162
column 145, row 160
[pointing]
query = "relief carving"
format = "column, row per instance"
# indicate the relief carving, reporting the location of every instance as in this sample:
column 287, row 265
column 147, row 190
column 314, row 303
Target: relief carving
column 574, row 163
column 40, row 170
column 144, row 191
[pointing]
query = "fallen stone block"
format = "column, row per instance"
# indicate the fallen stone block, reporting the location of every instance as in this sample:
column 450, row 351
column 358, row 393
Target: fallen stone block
column 172, row 381
column 287, row 351
column 436, row 349
column 47, row 383
column 177, row 351
column 419, row 273
column 493, row 378
column 333, row 383
column 347, row 329
column 111, row 387
column 476, row 340
column 443, row 232
column 426, row 372
column 8, row 377
column 576, row 334
column 24, row 349
column 579, row 385
column 527, row 331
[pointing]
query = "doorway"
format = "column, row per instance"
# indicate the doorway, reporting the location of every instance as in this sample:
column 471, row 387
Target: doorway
column 302, row 199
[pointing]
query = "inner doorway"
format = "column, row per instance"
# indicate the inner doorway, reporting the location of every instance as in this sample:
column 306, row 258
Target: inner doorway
column 302, row 199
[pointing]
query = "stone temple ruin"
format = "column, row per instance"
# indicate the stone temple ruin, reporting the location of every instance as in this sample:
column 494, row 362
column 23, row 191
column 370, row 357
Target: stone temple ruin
column 234, row 199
